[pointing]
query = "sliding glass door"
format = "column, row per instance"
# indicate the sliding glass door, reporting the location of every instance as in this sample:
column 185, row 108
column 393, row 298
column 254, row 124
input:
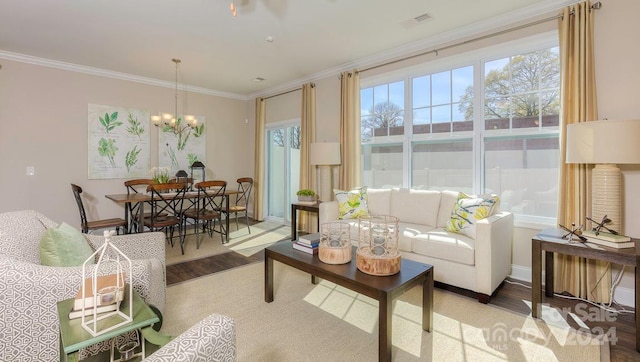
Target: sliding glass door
column 283, row 169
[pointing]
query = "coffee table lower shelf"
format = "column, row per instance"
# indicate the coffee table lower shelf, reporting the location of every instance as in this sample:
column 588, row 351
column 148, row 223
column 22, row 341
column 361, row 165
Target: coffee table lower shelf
column 384, row 289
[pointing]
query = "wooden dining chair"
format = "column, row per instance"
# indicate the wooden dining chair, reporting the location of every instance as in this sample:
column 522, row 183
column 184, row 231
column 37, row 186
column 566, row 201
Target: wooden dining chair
column 88, row 226
column 245, row 185
column 166, row 210
column 207, row 209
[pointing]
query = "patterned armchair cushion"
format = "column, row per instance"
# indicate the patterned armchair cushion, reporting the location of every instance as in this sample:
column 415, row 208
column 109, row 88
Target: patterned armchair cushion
column 211, row 339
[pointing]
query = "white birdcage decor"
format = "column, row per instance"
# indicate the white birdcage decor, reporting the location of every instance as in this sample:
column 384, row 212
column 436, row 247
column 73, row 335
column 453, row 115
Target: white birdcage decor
column 377, row 252
column 335, row 243
column 96, row 295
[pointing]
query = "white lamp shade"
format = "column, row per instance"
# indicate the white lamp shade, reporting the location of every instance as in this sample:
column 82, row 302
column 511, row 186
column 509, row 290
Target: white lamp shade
column 325, row 153
column 604, row 142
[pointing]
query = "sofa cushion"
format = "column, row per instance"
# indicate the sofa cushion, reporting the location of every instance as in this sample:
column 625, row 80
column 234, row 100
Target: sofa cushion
column 442, row 245
column 379, row 201
column 352, row 204
column 415, row 206
column 64, row 246
column 447, row 202
column 468, row 210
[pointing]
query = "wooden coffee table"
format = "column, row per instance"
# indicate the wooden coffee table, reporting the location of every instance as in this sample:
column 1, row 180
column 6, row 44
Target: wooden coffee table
column 381, row 288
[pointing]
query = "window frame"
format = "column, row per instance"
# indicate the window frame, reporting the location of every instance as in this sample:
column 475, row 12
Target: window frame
column 476, row 58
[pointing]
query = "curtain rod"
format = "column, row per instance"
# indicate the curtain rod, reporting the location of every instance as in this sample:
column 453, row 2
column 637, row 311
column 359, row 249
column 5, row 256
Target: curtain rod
column 287, row 92
column 595, row 6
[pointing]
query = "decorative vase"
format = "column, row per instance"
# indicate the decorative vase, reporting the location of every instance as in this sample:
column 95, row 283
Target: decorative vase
column 335, row 243
column 377, row 252
column 307, row 198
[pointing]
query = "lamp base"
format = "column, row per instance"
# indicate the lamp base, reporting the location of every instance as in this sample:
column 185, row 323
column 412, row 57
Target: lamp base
column 606, row 195
column 326, row 183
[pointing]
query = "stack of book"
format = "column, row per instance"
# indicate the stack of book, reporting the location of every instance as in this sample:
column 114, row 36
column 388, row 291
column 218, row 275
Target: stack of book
column 608, row 239
column 307, row 243
column 106, row 302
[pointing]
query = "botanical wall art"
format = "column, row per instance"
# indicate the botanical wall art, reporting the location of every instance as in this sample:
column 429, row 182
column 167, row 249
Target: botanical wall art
column 119, row 142
column 179, row 147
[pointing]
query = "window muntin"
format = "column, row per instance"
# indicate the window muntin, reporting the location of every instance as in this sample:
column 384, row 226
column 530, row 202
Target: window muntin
column 507, row 129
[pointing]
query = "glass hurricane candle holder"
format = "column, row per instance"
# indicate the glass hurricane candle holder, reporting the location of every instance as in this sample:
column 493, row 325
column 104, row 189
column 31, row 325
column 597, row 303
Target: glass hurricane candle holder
column 335, row 243
column 377, row 252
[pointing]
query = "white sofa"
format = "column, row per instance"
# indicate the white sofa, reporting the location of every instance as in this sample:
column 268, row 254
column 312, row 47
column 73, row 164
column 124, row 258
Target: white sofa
column 479, row 264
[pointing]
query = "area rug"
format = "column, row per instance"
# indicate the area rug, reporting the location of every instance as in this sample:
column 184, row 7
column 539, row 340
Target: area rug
column 326, row 322
column 262, row 235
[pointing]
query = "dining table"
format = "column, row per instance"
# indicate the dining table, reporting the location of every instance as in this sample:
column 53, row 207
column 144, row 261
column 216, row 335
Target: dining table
column 143, row 198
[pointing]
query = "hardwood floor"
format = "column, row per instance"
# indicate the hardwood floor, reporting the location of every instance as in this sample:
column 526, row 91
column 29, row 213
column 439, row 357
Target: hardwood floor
column 512, row 295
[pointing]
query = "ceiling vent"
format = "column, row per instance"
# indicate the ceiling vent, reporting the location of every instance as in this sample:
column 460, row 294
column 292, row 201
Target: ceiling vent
column 423, row 17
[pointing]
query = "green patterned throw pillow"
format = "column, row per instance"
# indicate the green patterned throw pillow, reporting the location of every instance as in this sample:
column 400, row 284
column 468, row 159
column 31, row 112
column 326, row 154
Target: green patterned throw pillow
column 352, row 204
column 467, row 211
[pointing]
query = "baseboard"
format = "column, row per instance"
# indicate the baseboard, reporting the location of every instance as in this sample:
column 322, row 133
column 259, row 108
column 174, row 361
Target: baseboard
column 622, row 295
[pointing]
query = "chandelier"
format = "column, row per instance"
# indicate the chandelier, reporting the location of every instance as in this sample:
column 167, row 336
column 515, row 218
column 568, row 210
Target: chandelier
column 232, row 8
column 171, row 121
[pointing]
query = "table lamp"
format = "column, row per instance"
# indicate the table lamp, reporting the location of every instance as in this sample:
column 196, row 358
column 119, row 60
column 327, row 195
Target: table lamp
column 605, row 143
column 324, row 155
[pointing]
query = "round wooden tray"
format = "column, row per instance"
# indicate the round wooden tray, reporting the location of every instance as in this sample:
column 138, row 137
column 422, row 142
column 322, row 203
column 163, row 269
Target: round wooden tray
column 377, row 265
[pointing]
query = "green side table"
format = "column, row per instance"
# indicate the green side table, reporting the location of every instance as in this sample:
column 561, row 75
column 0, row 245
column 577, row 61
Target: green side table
column 73, row 337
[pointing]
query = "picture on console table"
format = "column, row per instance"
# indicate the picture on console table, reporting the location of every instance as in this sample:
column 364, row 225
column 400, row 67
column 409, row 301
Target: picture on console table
column 119, row 143
column 179, row 147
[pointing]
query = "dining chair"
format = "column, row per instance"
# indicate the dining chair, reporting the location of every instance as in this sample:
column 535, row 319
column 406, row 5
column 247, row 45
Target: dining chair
column 166, row 208
column 207, row 208
column 136, row 186
column 88, row 226
column 245, row 184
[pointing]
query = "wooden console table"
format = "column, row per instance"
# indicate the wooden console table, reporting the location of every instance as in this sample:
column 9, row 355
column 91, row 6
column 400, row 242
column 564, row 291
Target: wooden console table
column 548, row 241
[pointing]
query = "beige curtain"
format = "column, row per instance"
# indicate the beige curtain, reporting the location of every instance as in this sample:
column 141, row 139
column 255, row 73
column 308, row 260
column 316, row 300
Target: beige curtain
column 258, row 182
column 307, row 221
column 349, row 170
column 583, row 278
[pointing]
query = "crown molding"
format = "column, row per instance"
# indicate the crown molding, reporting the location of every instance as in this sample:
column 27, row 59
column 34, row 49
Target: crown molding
column 484, row 26
column 114, row 75
column 529, row 13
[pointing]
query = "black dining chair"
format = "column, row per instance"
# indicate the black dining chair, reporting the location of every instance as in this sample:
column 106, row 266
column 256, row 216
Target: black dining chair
column 136, row 186
column 88, row 226
column 166, row 210
column 207, row 208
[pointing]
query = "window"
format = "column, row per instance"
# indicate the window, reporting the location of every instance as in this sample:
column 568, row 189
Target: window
column 484, row 122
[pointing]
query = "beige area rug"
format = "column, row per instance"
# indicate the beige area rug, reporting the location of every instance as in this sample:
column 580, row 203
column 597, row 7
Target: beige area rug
column 262, row 235
column 326, row 322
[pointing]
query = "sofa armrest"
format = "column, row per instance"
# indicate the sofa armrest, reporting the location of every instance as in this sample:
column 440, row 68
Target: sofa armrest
column 328, row 211
column 494, row 237
column 211, row 339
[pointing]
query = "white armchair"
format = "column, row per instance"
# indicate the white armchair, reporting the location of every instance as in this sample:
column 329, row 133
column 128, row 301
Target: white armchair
column 29, row 291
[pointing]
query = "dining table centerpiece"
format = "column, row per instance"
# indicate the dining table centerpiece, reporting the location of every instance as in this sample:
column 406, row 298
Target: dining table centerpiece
column 160, row 175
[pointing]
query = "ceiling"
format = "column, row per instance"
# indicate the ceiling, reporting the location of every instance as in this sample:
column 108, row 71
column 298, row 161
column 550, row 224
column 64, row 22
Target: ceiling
column 222, row 53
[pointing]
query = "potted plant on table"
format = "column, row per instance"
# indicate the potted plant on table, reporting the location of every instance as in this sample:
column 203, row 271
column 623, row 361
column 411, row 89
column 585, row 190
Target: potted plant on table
column 306, row 195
